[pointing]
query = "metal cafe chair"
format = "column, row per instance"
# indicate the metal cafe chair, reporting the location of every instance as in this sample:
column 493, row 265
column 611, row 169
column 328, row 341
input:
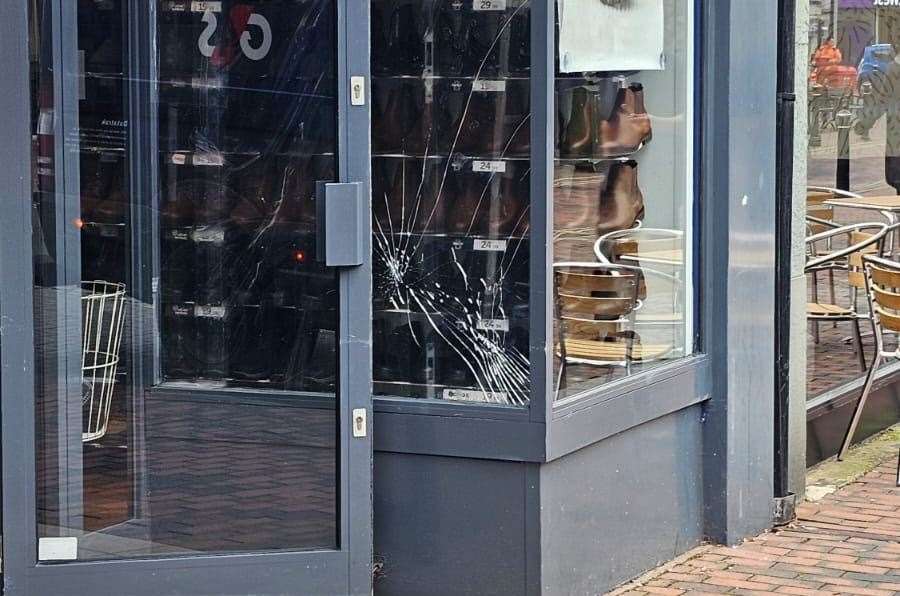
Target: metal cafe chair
column 659, row 245
column 882, row 280
column 863, row 238
column 597, row 305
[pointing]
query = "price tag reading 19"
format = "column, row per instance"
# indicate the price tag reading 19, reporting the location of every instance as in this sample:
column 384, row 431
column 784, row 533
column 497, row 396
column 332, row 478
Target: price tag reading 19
column 484, row 5
column 204, row 6
column 489, row 245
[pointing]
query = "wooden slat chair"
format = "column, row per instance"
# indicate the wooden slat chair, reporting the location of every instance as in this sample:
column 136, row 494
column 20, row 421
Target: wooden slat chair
column 596, row 305
column 882, row 279
column 862, row 239
column 820, row 218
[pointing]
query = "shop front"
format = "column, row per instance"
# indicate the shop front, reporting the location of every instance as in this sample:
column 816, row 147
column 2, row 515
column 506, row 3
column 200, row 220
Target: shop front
column 327, row 296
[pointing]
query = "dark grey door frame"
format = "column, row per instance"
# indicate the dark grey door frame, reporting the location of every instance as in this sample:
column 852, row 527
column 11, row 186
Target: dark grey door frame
column 344, row 571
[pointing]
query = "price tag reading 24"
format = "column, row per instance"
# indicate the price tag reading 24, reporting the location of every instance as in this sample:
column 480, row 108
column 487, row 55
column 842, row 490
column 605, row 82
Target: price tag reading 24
column 489, row 5
column 485, row 244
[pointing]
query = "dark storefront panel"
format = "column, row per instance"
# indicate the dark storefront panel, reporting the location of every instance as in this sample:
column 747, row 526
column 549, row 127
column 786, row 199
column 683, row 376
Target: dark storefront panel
column 551, row 339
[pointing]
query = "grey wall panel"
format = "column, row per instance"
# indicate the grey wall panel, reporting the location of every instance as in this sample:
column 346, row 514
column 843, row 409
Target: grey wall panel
column 450, row 526
column 621, row 506
column 738, row 198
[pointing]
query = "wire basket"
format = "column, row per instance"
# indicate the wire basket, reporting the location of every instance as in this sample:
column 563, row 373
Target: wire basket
column 102, row 315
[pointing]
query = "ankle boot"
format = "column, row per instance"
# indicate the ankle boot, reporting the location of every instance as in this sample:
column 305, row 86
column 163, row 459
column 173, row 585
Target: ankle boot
column 621, row 202
column 464, row 217
column 578, row 139
column 388, row 118
column 628, row 128
column 505, row 208
column 452, row 35
column 388, row 199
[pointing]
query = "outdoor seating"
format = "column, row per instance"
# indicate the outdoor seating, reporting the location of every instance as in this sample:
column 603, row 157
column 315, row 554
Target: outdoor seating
column 861, row 239
column 882, row 282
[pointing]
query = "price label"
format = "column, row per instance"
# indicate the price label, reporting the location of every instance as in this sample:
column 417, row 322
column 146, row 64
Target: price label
column 489, row 166
column 182, row 310
column 208, row 159
column 493, row 325
column 486, row 5
column 489, row 86
column 177, row 6
column 214, row 235
column 206, row 82
column 484, row 244
column 179, row 159
column 206, row 6
column 107, row 231
column 475, row 395
column 208, row 311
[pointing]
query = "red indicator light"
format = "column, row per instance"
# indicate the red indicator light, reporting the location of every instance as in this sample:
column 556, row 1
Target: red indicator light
column 299, row 256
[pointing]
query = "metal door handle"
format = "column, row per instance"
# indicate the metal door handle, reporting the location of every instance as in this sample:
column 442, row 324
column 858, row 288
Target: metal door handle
column 340, row 214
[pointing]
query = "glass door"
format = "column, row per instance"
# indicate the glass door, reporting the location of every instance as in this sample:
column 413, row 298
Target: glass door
column 192, row 422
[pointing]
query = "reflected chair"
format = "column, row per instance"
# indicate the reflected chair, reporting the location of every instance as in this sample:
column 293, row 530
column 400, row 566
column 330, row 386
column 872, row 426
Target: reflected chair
column 662, row 248
column 882, row 281
column 820, row 218
column 598, row 306
column 862, row 239
column 651, row 245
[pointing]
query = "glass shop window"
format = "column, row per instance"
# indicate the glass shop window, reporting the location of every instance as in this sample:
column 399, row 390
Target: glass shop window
column 852, row 176
column 623, row 190
column 185, row 334
column 451, row 127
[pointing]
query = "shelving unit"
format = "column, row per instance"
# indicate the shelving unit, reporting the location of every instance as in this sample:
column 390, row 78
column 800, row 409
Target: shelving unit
column 243, row 301
column 451, row 196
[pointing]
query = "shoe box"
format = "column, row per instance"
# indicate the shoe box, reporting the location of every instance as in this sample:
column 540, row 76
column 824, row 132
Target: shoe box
column 301, row 41
column 457, row 196
column 452, row 38
column 209, row 115
column 232, row 103
column 439, row 116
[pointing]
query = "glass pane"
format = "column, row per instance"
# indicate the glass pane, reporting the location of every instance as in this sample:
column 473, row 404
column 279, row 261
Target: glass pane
column 852, row 85
column 185, row 332
column 451, row 196
column 623, row 191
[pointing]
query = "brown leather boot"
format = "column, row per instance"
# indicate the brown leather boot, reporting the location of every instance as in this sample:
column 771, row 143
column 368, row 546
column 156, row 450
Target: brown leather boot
column 502, row 211
column 621, row 202
column 467, row 208
column 628, row 128
column 577, row 140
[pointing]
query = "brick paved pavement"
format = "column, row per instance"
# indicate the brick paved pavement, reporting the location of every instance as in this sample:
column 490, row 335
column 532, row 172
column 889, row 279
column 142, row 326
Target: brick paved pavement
column 847, row 543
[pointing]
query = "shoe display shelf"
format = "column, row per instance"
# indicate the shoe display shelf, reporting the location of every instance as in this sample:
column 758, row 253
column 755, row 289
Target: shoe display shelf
column 451, row 194
column 242, row 142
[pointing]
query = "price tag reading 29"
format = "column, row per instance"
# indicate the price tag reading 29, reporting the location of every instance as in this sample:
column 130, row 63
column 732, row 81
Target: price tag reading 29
column 485, row 5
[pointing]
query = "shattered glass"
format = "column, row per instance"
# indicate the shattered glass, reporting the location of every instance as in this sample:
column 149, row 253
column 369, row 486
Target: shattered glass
column 451, row 197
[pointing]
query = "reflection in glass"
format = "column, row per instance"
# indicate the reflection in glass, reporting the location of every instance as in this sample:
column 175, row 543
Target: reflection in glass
column 185, row 332
column 622, row 204
column 450, row 176
column 852, row 85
